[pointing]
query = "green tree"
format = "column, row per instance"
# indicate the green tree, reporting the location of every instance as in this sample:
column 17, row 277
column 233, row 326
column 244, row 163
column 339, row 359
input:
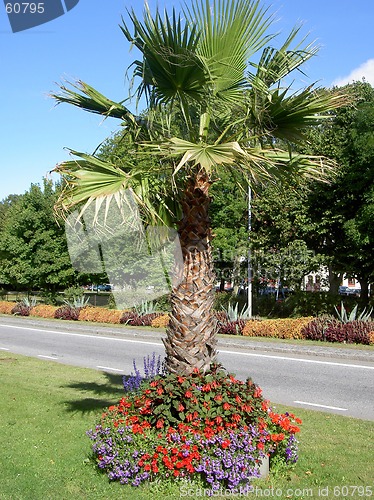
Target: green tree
column 342, row 212
column 5, row 205
column 281, row 228
column 33, row 251
column 206, row 111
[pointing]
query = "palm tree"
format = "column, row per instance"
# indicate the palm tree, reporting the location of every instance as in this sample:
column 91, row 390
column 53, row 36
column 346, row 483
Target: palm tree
column 205, row 111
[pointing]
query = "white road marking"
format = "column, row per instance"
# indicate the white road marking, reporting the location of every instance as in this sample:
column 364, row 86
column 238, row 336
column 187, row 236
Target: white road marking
column 46, row 357
column 285, row 358
column 321, row 406
column 110, row 369
column 3, row 349
column 98, row 337
column 302, row 360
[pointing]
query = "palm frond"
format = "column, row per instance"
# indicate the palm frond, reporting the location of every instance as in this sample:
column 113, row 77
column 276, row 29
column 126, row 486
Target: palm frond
column 230, row 33
column 285, row 114
column 92, row 182
column 201, row 155
column 276, row 64
column 170, row 69
column 86, row 97
column 276, row 165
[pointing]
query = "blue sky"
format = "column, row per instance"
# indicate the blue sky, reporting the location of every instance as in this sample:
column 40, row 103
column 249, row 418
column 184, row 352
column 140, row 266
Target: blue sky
column 87, row 44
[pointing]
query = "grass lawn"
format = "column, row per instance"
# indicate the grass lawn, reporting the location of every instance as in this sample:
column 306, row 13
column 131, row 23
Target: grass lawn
column 46, row 408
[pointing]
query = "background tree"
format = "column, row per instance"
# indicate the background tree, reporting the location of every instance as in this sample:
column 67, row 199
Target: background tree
column 193, row 71
column 342, row 211
column 33, row 250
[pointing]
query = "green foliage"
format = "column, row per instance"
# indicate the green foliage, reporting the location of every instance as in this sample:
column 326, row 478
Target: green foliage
column 353, row 315
column 73, row 292
column 342, row 212
column 222, row 300
column 33, row 251
column 234, row 314
column 163, row 303
column 146, row 307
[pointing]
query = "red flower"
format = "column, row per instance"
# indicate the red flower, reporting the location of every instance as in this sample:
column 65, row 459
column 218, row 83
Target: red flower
column 137, row 429
column 226, row 406
column 257, row 393
column 160, row 423
column 188, row 394
column 226, row 443
column 180, row 407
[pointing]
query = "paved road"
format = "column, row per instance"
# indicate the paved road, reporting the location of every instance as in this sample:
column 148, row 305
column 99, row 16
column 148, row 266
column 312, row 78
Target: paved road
column 332, row 380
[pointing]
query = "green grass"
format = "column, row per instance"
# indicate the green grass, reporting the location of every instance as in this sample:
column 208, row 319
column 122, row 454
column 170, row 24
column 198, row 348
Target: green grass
column 47, row 407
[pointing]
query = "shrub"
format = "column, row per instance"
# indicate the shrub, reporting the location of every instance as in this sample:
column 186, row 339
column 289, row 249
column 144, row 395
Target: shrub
column 332, row 330
column 163, row 303
column 67, row 312
column 265, row 328
column 24, row 307
column 134, row 319
column 232, row 327
column 371, row 337
column 128, row 316
column 222, row 300
column 316, row 329
column 284, row 328
column 43, row 311
column 74, row 292
column 148, row 318
column 353, row 315
column 6, row 307
column 208, row 426
column 100, row 315
column 161, row 321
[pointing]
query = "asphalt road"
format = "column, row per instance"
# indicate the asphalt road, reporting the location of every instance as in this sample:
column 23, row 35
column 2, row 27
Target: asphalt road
column 337, row 380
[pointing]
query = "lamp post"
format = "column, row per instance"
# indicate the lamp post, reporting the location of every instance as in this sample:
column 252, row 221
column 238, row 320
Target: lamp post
column 249, row 288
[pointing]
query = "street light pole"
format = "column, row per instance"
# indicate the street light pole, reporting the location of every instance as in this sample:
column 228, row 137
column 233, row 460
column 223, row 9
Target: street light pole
column 249, row 288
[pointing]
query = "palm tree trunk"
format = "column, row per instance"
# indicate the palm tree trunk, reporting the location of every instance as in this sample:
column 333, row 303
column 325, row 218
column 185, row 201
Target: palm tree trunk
column 191, row 335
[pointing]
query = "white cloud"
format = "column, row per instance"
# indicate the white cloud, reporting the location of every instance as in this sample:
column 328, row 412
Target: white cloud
column 365, row 70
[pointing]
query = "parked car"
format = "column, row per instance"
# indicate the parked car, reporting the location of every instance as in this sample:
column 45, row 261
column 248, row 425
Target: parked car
column 104, row 288
column 348, row 291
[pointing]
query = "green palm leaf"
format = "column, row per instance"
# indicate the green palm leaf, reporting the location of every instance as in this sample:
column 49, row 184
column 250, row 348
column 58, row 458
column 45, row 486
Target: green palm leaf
column 230, row 33
column 170, row 68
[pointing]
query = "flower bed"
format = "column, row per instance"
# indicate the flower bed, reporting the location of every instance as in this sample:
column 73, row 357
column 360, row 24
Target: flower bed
column 331, row 330
column 209, row 427
column 289, row 328
column 100, row 315
column 43, row 311
column 6, row 307
column 325, row 328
